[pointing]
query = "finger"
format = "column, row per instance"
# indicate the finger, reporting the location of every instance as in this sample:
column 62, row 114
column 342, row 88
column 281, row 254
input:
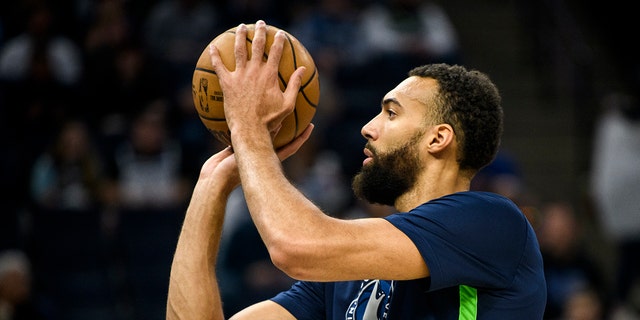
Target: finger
column 259, row 41
column 227, row 151
column 216, row 62
column 240, row 46
column 292, row 147
column 295, row 81
column 214, row 161
column 275, row 52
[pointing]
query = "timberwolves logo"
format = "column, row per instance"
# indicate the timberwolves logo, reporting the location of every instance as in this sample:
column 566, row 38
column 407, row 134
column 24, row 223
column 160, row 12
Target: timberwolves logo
column 372, row 302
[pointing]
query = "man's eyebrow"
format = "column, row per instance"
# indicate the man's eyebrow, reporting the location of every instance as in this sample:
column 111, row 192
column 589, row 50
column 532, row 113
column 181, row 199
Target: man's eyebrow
column 391, row 101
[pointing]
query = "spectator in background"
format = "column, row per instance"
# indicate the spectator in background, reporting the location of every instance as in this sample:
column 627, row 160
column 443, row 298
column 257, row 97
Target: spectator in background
column 503, row 176
column 39, row 52
column 569, row 268
column 615, row 187
column 414, row 30
column 584, row 304
column 176, row 32
column 147, row 168
column 40, row 69
column 330, row 30
column 69, row 175
column 16, row 299
column 118, row 76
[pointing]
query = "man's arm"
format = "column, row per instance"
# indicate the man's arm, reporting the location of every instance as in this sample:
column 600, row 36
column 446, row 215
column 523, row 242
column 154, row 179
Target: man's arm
column 193, row 288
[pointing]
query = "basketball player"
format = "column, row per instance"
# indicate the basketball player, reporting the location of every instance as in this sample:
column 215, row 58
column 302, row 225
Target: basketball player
column 449, row 253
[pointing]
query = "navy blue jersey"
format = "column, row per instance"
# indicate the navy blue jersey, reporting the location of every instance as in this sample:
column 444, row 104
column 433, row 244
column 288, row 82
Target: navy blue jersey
column 483, row 257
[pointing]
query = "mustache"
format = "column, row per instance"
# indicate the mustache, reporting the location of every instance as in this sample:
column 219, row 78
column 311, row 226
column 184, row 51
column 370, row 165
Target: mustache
column 373, row 150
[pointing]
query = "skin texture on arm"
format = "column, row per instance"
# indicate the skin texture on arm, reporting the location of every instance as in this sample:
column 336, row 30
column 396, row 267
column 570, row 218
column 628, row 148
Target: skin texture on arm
column 302, row 241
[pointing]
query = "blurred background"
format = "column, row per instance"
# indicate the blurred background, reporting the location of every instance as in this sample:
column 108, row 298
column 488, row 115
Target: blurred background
column 101, row 145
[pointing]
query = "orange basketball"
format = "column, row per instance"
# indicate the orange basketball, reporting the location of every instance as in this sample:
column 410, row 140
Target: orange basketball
column 209, row 100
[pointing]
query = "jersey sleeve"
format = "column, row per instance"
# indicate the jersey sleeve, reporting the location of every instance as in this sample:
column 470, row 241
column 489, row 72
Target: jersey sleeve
column 467, row 238
column 305, row 300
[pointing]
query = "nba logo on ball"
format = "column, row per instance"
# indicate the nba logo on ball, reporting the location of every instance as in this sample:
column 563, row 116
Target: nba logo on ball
column 202, row 101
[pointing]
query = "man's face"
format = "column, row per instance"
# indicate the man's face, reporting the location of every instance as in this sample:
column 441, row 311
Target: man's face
column 394, row 142
column 390, row 174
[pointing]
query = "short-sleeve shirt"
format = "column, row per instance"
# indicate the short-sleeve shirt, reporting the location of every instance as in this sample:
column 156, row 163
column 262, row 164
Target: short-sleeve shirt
column 484, row 263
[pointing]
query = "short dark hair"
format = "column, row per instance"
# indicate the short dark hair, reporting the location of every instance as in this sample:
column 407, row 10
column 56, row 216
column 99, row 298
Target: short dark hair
column 470, row 102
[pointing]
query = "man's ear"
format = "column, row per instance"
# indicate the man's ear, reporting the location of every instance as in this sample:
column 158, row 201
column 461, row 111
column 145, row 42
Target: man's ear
column 440, row 137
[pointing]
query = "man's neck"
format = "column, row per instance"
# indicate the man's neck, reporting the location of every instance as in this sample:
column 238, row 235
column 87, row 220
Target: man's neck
column 432, row 185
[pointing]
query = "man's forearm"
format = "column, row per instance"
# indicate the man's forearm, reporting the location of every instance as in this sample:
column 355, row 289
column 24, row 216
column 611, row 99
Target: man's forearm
column 277, row 208
column 193, row 288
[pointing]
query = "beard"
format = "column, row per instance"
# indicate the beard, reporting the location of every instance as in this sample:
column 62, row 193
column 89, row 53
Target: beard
column 389, row 175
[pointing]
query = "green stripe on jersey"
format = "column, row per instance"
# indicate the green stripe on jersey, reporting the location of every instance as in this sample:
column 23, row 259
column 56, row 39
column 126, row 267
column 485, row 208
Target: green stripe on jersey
column 468, row 303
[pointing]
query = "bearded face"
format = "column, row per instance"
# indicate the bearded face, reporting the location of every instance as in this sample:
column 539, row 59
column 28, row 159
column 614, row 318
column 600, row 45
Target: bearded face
column 390, row 174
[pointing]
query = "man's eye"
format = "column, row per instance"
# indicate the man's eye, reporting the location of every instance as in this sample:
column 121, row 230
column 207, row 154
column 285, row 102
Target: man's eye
column 390, row 113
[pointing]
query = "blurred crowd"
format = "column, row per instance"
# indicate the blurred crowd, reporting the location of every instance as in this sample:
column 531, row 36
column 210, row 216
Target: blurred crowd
column 101, row 146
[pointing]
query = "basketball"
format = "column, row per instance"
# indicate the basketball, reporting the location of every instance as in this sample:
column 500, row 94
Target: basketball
column 208, row 96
